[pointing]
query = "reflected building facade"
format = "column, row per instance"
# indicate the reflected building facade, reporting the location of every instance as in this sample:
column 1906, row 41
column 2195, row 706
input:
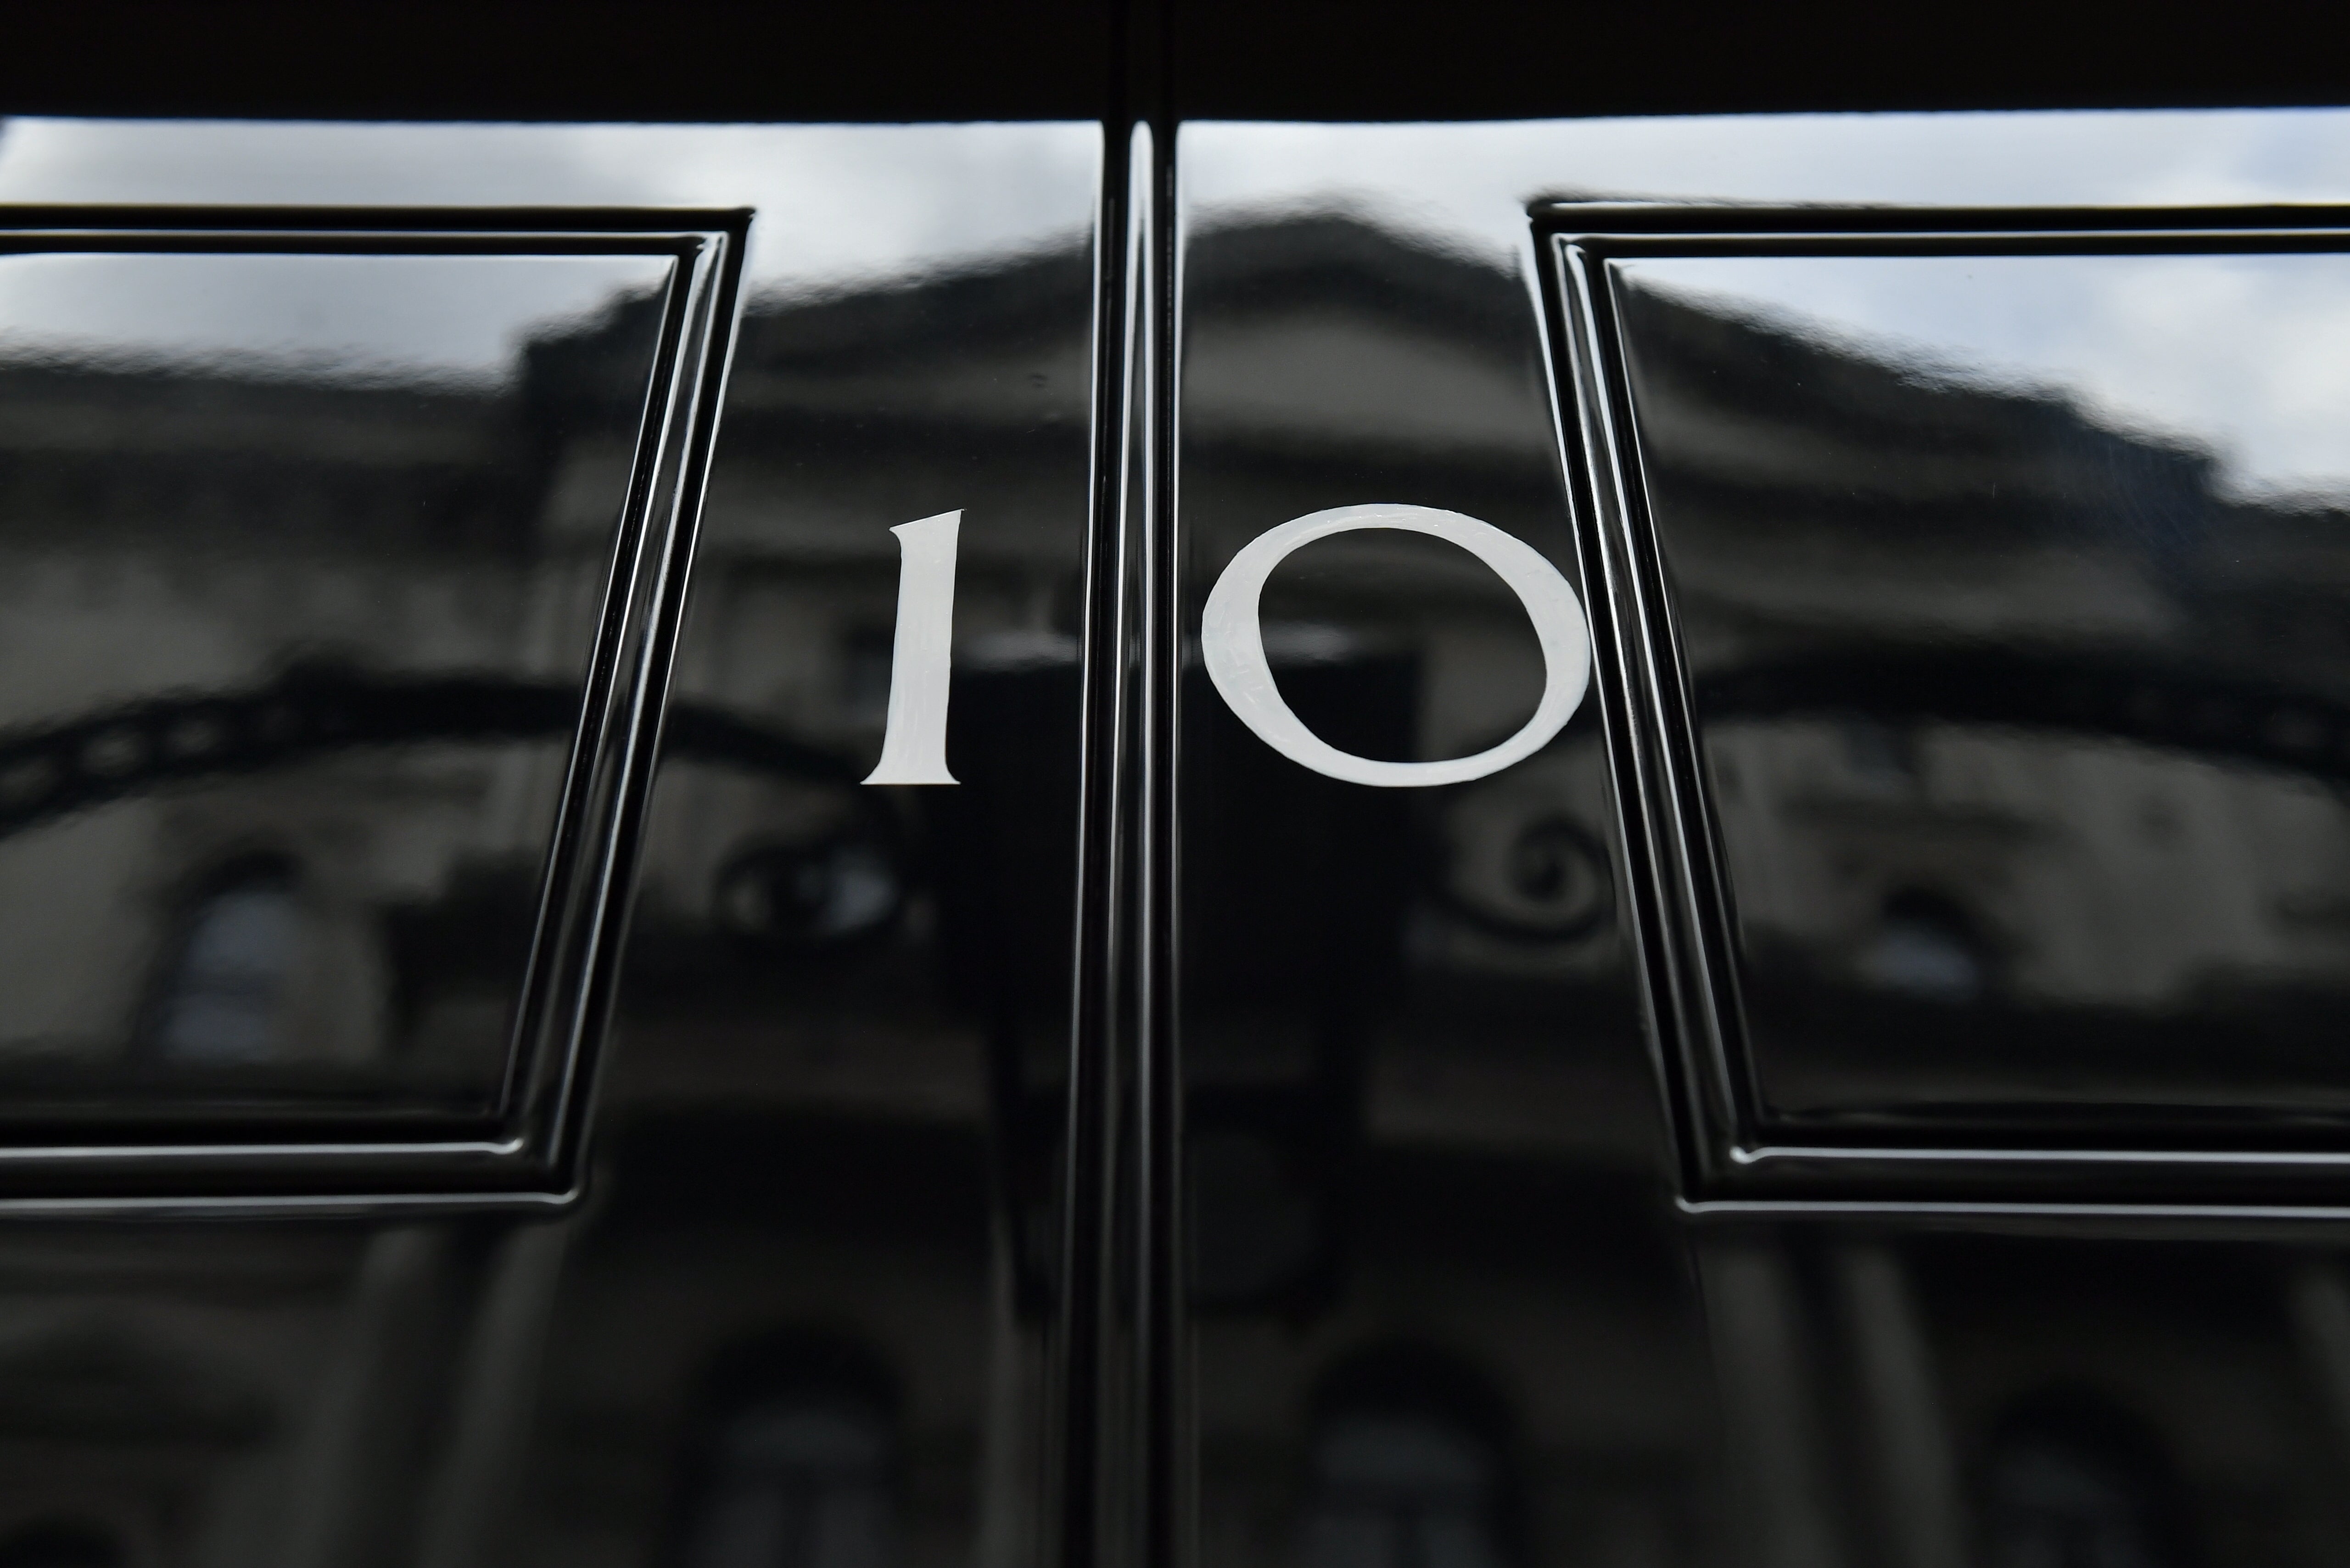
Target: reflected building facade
column 294, row 651
column 1444, row 1313
column 2010, row 710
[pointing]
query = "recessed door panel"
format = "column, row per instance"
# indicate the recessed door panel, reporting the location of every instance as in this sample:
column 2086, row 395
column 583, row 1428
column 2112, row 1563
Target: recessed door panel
column 306, row 557
column 414, row 556
column 1979, row 592
column 2005, row 590
column 343, row 544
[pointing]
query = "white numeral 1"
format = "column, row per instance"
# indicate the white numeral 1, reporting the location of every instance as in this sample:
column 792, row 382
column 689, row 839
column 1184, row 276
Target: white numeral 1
column 914, row 746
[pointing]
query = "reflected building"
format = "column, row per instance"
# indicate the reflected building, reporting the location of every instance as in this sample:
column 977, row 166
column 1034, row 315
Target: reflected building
column 1446, row 1314
column 270, row 629
column 1938, row 516
column 2022, row 730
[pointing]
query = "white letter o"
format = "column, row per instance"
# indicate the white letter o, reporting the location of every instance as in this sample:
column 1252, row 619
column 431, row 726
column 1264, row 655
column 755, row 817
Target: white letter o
column 1233, row 643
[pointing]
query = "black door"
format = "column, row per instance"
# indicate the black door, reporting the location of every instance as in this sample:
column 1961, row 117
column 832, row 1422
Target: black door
column 924, row 792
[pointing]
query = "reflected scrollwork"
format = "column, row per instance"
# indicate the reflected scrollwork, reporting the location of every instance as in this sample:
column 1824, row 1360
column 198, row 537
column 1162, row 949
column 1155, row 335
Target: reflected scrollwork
column 1520, row 862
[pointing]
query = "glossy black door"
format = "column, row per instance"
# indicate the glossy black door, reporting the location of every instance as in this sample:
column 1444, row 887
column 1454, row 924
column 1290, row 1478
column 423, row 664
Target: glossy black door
column 1397, row 1238
column 1991, row 584
column 794, row 1309
column 1500, row 1316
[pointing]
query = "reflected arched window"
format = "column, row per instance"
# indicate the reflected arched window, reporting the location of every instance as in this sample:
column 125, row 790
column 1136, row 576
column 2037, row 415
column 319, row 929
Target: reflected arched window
column 798, row 1465
column 1405, row 1469
column 2074, row 1485
column 223, row 994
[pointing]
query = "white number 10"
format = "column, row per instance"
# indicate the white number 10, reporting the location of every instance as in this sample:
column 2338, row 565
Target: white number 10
column 914, row 748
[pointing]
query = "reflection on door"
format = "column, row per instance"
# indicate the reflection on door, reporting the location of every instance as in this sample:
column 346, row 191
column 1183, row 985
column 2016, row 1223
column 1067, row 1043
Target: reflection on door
column 1405, row 1469
column 224, row 990
column 799, row 1465
column 305, row 555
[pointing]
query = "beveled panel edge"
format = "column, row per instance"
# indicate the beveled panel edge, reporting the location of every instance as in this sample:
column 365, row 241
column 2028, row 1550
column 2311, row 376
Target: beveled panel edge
column 1729, row 1164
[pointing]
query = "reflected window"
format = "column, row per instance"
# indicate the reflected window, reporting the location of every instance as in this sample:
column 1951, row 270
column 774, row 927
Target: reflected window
column 2079, row 1489
column 799, row 1465
column 1924, row 946
column 224, row 998
column 1405, row 1471
column 1881, row 756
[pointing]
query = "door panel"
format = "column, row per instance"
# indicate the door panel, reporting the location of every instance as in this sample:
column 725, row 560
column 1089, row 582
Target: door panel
column 1992, row 586
column 793, row 1309
column 1549, row 1325
column 149, row 457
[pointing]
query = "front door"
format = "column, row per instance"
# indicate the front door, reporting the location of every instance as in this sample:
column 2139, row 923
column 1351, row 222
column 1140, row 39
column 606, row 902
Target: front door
column 1377, row 846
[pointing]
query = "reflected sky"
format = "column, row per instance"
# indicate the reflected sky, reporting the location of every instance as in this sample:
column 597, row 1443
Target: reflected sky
column 1470, row 184
column 847, row 205
column 446, row 319
column 2249, row 357
column 2246, row 357
column 841, row 204
column 838, row 206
